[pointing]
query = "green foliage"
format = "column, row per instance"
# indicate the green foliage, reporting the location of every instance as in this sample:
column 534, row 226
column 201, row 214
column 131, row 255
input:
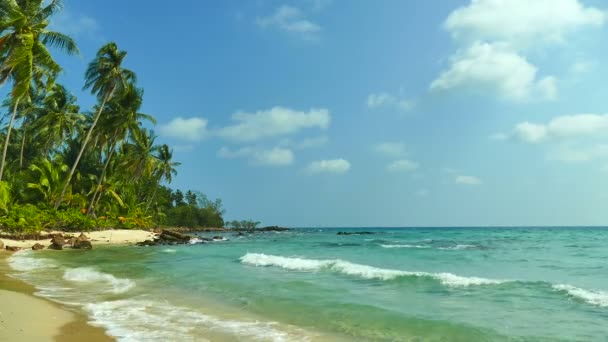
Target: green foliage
column 73, row 170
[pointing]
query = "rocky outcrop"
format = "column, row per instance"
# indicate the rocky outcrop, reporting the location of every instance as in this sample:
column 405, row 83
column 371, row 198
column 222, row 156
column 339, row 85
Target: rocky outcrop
column 37, row 247
column 13, row 248
column 1, row 244
column 273, row 229
column 82, row 242
column 168, row 237
column 57, row 242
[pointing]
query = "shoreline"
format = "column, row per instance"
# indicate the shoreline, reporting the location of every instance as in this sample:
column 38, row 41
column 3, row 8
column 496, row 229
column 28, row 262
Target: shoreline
column 53, row 322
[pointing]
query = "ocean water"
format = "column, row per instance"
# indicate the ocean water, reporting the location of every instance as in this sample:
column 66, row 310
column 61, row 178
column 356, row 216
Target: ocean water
column 411, row 284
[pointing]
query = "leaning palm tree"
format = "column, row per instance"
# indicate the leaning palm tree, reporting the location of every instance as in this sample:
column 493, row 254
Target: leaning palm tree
column 23, row 50
column 105, row 76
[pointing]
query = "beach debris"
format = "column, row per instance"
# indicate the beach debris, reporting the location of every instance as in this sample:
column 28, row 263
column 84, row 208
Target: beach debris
column 57, row 242
column 13, row 248
column 37, row 247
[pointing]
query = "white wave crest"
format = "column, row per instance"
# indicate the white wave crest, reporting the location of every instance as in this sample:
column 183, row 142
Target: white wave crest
column 404, row 246
column 140, row 320
column 599, row 298
column 358, row 270
column 90, row 275
column 24, row 261
column 459, row 247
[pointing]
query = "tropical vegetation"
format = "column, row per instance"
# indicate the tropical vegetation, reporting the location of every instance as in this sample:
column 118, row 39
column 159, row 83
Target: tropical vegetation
column 62, row 167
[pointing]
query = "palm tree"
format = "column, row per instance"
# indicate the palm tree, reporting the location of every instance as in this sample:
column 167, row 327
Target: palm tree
column 105, row 76
column 57, row 119
column 165, row 169
column 123, row 117
column 23, row 48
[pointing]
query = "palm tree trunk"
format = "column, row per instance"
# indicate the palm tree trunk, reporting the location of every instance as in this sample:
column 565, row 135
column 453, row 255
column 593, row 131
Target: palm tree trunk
column 8, row 137
column 152, row 198
column 82, row 148
column 22, row 147
column 103, row 175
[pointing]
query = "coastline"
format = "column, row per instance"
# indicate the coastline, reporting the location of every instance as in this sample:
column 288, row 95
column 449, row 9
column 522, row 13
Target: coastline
column 54, row 322
column 20, row 307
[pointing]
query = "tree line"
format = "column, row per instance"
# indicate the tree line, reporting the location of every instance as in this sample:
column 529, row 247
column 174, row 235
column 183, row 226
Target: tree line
column 64, row 167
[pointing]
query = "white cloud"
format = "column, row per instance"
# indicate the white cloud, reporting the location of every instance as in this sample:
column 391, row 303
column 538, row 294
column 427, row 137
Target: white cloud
column 190, row 129
column 495, row 65
column 467, row 180
column 563, row 127
column 386, row 100
column 522, row 22
column 581, row 67
column 74, row 24
column 333, row 166
column 390, row 149
column 307, row 143
column 267, row 157
column 577, row 154
column 402, row 165
column 274, row 122
column 291, row 19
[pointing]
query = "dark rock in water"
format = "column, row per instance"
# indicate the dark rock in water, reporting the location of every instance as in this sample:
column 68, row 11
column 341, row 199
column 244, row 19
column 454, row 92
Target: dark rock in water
column 274, row 229
column 82, row 244
column 146, row 243
column 37, row 247
column 356, row 233
column 71, row 241
column 168, row 235
column 57, row 242
column 13, row 248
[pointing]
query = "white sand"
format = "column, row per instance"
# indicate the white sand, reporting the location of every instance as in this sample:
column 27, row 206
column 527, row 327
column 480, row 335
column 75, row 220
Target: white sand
column 104, row 237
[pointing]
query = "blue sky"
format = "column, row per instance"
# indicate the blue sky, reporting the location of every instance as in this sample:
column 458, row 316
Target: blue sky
column 371, row 113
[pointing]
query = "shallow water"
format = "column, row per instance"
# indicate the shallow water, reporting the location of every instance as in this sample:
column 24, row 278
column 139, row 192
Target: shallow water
column 430, row 284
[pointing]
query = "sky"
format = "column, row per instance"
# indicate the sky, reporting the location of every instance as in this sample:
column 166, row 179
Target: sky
column 317, row 113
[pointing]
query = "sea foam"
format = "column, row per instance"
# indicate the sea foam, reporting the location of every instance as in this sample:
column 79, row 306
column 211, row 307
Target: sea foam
column 405, row 246
column 599, row 298
column 90, row 275
column 358, row 270
column 141, row 319
column 23, row 261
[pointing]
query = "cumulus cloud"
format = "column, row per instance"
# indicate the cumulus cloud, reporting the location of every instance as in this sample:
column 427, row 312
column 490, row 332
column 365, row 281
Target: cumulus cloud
column 495, row 65
column 291, row 20
column 267, row 157
column 189, row 129
column 386, row 100
column 402, row 165
column 274, row 122
column 562, row 127
column 467, row 180
column 495, row 36
column 390, row 149
column 332, row 166
column 522, row 21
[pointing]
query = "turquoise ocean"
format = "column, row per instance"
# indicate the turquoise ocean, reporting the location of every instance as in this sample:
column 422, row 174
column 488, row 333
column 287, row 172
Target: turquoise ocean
column 409, row 284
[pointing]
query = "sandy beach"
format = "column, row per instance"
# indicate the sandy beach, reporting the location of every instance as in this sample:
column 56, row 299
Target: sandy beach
column 103, row 237
column 25, row 317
